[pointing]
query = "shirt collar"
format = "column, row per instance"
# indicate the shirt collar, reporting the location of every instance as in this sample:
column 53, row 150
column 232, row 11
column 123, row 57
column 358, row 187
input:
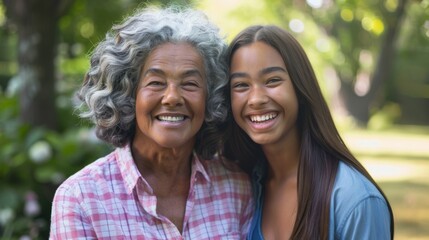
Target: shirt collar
column 131, row 174
column 128, row 168
column 199, row 167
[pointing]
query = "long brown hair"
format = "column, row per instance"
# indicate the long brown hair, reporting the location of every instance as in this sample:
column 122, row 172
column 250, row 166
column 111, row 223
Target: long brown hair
column 321, row 145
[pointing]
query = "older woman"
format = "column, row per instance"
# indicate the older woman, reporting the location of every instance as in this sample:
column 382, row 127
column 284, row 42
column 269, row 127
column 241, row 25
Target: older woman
column 149, row 92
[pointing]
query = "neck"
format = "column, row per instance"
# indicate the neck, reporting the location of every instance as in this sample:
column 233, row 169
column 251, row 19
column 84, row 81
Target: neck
column 283, row 159
column 168, row 172
column 156, row 161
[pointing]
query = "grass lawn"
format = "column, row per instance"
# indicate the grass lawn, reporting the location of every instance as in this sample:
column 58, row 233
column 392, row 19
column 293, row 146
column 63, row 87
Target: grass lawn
column 398, row 159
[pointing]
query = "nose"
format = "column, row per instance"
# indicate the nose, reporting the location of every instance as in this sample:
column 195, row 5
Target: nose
column 257, row 97
column 172, row 96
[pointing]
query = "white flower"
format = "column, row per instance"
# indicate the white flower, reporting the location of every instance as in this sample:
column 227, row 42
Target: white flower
column 88, row 135
column 25, row 237
column 15, row 84
column 32, row 207
column 6, row 215
column 40, row 152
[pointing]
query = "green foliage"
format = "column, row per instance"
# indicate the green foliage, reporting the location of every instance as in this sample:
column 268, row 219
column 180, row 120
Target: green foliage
column 33, row 162
column 88, row 21
column 385, row 117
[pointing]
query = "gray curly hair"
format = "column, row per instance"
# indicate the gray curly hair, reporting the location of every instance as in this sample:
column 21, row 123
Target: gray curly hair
column 108, row 92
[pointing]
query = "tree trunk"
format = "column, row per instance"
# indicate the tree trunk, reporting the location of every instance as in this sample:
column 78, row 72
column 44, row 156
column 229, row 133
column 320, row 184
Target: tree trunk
column 359, row 107
column 37, row 27
column 355, row 105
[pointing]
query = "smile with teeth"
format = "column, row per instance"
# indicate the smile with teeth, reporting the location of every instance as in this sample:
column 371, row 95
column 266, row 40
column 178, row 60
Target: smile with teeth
column 262, row 118
column 171, row 118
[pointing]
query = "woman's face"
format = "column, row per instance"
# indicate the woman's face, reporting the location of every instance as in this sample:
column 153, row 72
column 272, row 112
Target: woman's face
column 171, row 96
column 263, row 99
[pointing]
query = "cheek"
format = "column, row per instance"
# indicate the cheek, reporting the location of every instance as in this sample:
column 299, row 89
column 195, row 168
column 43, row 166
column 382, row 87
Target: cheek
column 142, row 102
column 293, row 97
column 200, row 108
column 199, row 104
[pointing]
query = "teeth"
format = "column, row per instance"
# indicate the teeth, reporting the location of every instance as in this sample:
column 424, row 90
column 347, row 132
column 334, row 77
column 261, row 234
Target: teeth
column 262, row 118
column 171, row 118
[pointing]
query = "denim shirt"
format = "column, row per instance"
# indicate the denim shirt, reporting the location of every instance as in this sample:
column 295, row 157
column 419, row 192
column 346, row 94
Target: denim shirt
column 258, row 179
column 357, row 208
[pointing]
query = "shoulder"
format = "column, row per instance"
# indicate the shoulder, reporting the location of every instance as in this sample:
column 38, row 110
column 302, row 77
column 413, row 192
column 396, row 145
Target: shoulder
column 86, row 180
column 357, row 206
column 350, row 183
column 224, row 168
column 225, row 172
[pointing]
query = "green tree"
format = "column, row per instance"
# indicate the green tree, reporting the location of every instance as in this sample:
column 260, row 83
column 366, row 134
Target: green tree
column 364, row 32
column 37, row 29
column 39, row 33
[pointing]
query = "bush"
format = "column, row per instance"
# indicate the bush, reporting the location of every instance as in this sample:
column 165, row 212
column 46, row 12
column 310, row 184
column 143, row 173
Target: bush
column 33, row 162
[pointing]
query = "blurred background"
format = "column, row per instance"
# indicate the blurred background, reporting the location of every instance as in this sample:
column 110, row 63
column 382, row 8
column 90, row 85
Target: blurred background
column 370, row 56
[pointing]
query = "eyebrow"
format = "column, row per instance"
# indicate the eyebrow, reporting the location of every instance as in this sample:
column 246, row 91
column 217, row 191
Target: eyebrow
column 238, row 75
column 192, row 72
column 157, row 71
column 262, row 72
column 271, row 69
column 154, row 71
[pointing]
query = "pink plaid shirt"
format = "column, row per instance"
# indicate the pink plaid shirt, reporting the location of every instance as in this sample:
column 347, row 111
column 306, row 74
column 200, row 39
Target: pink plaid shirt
column 109, row 199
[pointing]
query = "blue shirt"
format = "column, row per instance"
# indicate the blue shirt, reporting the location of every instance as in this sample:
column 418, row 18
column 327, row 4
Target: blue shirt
column 357, row 210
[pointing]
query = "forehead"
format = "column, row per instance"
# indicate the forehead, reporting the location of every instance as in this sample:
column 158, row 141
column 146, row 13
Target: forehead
column 175, row 57
column 255, row 56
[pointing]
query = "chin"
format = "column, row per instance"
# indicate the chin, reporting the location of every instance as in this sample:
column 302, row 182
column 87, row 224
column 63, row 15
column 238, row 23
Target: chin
column 262, row 141
column 174, row 143
column 170, row 144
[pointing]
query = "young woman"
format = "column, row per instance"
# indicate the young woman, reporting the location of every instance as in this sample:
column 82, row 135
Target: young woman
column 307, row 183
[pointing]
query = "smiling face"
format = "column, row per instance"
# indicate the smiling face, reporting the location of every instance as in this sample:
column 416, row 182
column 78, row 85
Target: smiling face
column 263, row 99
column 171, row 96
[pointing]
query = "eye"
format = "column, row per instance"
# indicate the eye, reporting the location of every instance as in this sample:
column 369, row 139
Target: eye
column 155, row 83
column 191, row 85
column 273, row 81
column 239, row 85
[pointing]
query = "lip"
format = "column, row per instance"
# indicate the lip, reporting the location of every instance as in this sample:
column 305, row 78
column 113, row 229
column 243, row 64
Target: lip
column 170, row 119
column 264, row 120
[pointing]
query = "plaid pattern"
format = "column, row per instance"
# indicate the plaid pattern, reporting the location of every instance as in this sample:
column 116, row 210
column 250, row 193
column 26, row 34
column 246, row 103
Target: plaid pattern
column 109, row 199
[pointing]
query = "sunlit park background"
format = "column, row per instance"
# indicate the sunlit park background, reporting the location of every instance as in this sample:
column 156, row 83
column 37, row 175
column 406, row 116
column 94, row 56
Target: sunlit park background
column 371, row 58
